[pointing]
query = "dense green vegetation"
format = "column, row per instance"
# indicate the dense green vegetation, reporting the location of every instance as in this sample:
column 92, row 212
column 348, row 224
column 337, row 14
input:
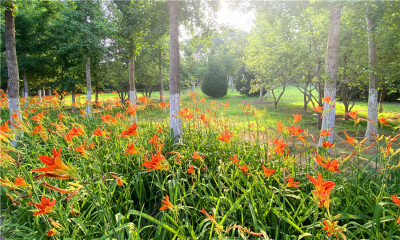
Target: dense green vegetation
column 114, row 127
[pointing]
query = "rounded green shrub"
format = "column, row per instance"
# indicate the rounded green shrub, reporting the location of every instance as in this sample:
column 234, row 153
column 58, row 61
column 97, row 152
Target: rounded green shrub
column 215, row 82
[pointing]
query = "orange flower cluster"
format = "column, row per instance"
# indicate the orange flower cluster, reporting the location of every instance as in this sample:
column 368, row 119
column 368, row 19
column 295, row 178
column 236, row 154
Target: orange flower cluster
column 45, row 206
column 225, row 136
column 331, row 165
column 279, row 146
column 323, row 190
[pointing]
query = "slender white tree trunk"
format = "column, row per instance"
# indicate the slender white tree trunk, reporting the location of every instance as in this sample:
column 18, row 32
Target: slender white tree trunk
column 332, row 53
column 40, row 95
column 43, row 92
column 162, row 96
column 132, row 87
column 174, row 84
column 372, row 129
column 88, row 88
column 261, row 93
column 12, row 65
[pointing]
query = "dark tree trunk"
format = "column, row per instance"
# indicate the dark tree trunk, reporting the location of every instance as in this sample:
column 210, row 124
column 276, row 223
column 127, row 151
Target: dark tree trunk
column 372, row 129
column 332, row 53
column 12, row 62
column 174, row 84
column 277, row 98
column 382, row 98
column 97, row 92
column 73, row 99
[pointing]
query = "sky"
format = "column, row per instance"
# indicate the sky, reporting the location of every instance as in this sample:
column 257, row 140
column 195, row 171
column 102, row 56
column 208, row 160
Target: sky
column 234, row 18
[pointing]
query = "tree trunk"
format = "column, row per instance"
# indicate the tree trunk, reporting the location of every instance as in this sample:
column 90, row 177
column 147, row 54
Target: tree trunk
column 174, row 84
column 97, row 91
column 162, row 97
column 382, row 98
column 132, row 87
column 88, row 88
column 49, row 92
column 12, row 62
column 43, row 92
column 305, row 104
column 40, row 95
column 73, row 100
column 372, row 129
column 332, row 53
column 261, row 93
column 231, row 78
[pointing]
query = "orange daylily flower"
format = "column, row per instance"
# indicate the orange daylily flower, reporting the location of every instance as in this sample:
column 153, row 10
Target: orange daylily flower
column 20, row 182
column 159, row 129
column 244, row 168
column 60, row 117
column 81, row 149
column 131, row 110
column 38, row 117
column 45, row 205
column 297, row 118
column 99, row 132
column 4, row 130
column 331, row 165
column 196, row 156
column 323, row 190
column 203, row 118
column 327, row 144
column 107, row 118
column 132, row 131
column 190, row 169
column 153, row 140
column 349, row 140
column 155, row 162
column 38, row 129
column 279, row 146
column 51, row 233
column 383, row 121
column 353, row 115
column 396, row 200
column 325, row 133
column 326, row 99
column 330, row 228
column 167, row 204
column 131, row 150
column 280, row 126
column 292, row 183
column 295, row 131
column 268, row 171
column 235, row 160
column 319, row 108
column 54, row 163
column 225, row 136
column 120, row 182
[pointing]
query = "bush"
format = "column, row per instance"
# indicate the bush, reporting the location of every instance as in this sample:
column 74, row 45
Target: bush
column 215, row 83
column 243, row 83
